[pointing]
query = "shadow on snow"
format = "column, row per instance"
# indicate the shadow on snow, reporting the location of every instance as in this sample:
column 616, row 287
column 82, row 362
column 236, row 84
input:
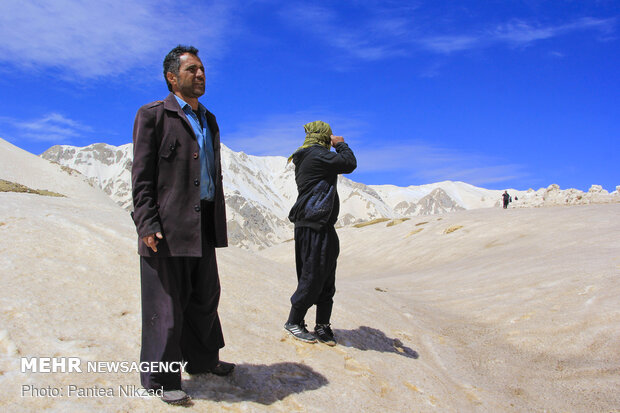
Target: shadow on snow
column 260, row 383
column 368, row 338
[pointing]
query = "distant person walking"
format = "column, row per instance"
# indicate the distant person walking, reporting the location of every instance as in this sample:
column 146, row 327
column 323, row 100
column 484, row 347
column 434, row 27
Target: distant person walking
column 506, row 199
column 180, row 218
column 316, row 243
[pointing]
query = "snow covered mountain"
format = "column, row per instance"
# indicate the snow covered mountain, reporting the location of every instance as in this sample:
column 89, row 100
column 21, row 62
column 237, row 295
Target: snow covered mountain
column 105, row 166
column 260, row 190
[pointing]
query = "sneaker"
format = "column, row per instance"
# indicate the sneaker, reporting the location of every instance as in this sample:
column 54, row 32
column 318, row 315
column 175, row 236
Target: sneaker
column 325, row 334
column 175, row 397
column 299, row 332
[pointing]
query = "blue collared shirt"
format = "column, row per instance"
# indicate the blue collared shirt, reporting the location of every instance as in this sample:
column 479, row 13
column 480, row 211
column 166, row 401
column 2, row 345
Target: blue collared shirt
column 205, row 141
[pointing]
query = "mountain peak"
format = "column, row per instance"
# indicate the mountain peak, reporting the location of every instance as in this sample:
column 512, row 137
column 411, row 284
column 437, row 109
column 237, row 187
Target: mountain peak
column 260, row 190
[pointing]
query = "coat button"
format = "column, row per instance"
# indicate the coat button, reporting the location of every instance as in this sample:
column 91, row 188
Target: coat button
column 195, row 155
column 197, row 208
column 196, row 182
column 171, row 147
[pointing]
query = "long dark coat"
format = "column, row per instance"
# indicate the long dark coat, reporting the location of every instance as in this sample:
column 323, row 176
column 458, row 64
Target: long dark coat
column 166, row 180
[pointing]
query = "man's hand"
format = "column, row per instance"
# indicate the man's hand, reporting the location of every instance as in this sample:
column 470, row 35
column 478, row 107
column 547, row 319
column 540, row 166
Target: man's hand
column 151, row 240
column 336, row 139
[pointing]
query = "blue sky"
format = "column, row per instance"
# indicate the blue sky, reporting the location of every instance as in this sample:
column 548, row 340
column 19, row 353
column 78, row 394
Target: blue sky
column 499, row 94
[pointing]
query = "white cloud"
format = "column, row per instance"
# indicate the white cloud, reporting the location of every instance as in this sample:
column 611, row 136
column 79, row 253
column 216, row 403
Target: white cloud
column 91, row 39
column 282, row 134
column 480, row 176
column 449, row 44
column 422, row 162
column 521, row 32
column 365, row 41
column 52, row 127
column 409, row 162
column 385, row 32
column 515, row 33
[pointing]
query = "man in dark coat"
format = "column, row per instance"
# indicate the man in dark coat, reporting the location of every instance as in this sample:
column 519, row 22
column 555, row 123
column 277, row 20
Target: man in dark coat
column 180, row 218
column 314, row 214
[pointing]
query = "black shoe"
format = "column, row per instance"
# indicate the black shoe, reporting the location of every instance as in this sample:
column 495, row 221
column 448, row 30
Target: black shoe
column 222, row 368
column 325, row 334
column 299, row 332
column 175, row 397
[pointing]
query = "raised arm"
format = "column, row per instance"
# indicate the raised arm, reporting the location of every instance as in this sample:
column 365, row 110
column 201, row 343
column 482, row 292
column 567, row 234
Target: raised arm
column 343, row 160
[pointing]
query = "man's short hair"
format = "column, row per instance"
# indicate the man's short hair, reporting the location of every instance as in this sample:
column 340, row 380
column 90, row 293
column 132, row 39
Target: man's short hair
column 172, row 61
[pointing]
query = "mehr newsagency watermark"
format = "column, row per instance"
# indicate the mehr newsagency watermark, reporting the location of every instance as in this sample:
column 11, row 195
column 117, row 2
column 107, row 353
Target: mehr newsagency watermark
column 76, row 365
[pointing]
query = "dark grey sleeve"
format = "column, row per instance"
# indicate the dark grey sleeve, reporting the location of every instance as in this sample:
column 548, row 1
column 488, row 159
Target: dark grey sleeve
column 143, row 179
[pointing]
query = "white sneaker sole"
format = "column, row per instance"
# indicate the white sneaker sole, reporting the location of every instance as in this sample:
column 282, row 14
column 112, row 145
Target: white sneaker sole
column 309, row 340
column 329, row 343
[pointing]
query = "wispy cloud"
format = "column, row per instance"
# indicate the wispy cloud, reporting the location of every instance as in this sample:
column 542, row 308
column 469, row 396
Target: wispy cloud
column 282, row 134
column 91, row 39
column 522, row 32
column 382, row 32
column 366, row 40
column 423, row 162
column 514, row 33
column 52, row 127
column 448, row 44
column 404, row 162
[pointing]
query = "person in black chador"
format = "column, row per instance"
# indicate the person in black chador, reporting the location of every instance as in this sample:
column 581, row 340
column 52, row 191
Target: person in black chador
column 506, row 198
column 314, row 214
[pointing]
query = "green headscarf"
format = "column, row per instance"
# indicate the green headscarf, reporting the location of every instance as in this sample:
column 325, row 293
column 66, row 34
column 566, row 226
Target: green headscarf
column 317, row 133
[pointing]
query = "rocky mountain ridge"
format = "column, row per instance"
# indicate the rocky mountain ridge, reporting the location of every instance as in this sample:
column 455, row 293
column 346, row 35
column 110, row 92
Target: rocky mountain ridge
column 260, row 190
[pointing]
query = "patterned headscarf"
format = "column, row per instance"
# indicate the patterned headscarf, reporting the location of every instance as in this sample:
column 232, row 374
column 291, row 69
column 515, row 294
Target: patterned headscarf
column 317, row 133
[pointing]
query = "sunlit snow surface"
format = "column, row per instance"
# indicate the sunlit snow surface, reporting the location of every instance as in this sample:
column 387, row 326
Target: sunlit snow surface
column 483, row 310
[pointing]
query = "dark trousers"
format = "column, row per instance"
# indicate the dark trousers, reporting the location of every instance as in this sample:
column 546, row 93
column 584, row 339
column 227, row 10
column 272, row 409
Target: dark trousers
column 316, row 253
column 180, row 296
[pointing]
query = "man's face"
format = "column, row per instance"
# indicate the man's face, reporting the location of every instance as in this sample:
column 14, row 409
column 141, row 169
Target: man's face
column 190, row 81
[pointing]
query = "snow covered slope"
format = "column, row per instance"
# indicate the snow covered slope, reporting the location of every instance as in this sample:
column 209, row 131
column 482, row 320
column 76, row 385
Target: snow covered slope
column 469, row 311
